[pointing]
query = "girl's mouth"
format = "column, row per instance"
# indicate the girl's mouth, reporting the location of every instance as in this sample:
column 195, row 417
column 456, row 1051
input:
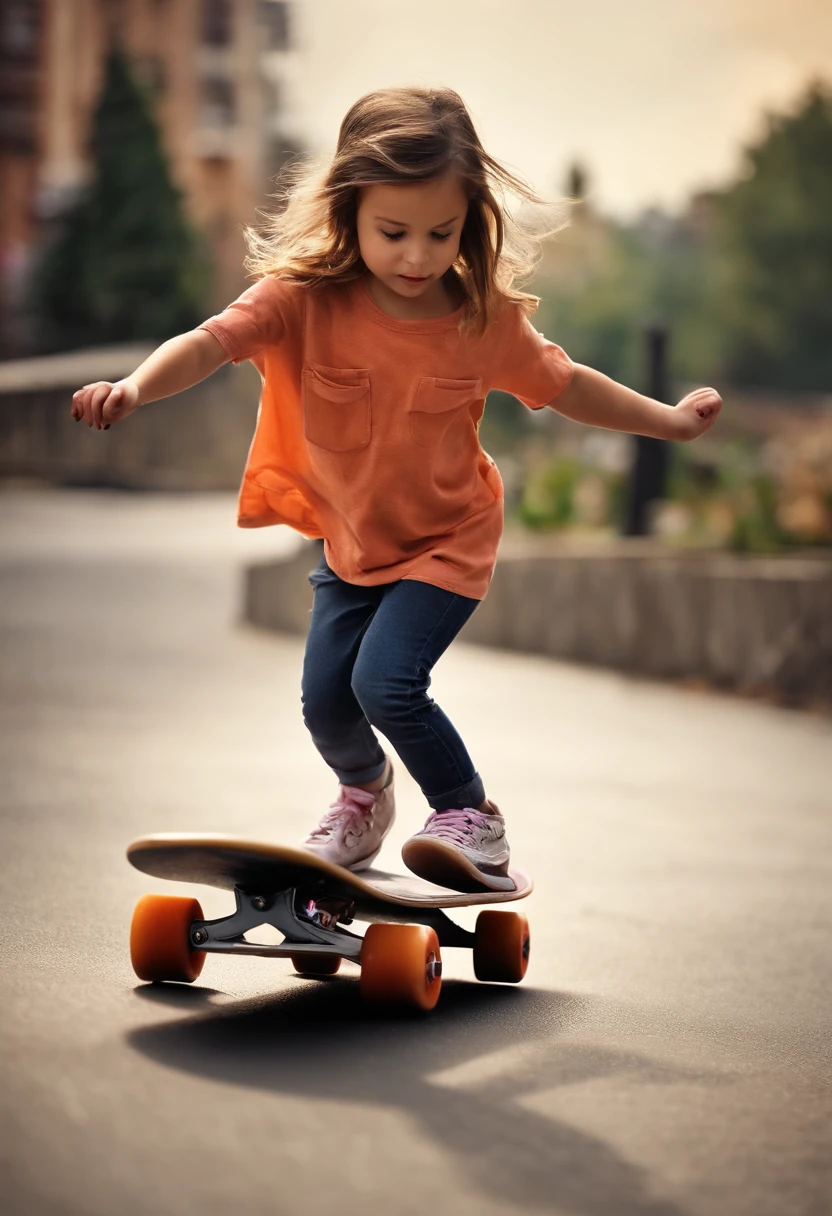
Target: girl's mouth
column 408, row 278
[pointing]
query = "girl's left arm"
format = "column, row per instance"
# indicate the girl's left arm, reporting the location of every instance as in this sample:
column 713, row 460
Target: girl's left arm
column 595, row 399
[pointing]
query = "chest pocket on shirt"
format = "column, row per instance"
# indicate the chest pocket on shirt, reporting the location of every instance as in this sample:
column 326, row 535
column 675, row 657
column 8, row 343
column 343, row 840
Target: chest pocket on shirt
column 336, row 407
column 437, row 405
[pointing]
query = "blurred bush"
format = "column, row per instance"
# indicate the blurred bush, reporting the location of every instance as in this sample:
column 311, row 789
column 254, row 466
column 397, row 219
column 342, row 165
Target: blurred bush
column 753, row 497
column 567, row 493
column 743, row 495
column 728, row 500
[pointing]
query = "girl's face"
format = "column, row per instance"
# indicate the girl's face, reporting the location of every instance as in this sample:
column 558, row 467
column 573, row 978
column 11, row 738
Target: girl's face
column 409, row 234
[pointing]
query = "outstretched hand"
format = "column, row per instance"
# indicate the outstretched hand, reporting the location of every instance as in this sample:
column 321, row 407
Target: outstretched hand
column 102, row 403
column 696, row 413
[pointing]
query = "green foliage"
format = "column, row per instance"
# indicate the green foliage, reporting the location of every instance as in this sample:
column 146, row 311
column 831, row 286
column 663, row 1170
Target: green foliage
column 752, row 497
column 732, row 501
column 566, row 492
column 755, row 526
column 596, row 323
column 775, row 253
column 125, row 267
column 548, row 498
column 746, row 294
column 690, row 477
column 682, row 293
column 601, row 324
column 505, row 421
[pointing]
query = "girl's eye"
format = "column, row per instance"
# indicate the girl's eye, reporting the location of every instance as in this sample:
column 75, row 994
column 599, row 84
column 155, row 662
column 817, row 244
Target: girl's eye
column 397, row 236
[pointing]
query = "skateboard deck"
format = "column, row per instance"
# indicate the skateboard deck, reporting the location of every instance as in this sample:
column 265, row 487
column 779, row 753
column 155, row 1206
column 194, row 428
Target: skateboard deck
column 310, row 900
column 229, row 861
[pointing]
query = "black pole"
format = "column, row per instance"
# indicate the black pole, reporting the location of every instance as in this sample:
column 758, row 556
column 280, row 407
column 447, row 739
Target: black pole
column 648, row 472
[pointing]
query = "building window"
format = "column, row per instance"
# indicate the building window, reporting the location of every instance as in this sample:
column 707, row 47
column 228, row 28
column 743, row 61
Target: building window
column 19, row 29
column 217, row 103
column 17, row 125
column 271, row 95
column 274, row 20
column 18, row 75
column 217, row 20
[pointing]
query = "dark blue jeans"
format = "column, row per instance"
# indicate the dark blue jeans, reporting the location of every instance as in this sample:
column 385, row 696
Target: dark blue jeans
column 369, row 655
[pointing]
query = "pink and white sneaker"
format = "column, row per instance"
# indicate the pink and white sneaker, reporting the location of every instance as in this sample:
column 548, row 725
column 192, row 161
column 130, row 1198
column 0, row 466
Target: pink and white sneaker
column 352, row 831
column 465, row 850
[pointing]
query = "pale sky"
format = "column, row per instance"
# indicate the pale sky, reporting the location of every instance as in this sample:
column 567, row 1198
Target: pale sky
column 657, row 97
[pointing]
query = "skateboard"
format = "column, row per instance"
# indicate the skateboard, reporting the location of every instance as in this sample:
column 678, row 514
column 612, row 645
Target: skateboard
column 311, row 901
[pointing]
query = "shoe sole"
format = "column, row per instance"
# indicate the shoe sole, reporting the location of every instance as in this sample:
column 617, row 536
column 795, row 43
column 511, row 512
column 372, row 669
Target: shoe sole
column 447, row 867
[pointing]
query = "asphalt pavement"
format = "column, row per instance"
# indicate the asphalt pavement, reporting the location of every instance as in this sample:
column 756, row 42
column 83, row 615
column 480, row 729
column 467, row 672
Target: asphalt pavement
column 667, row 1055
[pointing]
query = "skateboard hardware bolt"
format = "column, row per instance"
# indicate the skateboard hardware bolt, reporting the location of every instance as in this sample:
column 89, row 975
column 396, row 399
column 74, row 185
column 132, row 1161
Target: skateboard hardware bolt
column 199, row 936
column 260, row 903
column 434, row 969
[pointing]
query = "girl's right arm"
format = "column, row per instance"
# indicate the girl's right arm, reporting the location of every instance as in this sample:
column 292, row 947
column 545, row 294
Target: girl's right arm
column 175, row 365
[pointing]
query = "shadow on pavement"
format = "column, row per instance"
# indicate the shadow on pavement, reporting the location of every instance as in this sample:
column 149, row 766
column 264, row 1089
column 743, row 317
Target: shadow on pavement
column 320, row 1040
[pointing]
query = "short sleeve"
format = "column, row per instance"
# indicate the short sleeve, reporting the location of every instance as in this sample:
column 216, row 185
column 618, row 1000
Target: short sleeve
column 254, row 321
column 530, row 368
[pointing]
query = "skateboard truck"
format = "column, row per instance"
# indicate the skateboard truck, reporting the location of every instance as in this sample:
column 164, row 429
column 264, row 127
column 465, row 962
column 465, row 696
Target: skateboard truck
column 313, row 928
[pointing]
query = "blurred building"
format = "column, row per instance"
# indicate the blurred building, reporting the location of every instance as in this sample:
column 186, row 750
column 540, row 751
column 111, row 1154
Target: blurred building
column 220, row 73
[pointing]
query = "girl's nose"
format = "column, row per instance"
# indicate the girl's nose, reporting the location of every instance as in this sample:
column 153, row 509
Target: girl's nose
column 417, row 258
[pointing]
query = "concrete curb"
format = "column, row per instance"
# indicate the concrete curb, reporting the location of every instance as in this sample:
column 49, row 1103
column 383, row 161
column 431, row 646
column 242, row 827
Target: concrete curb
column 756, row 625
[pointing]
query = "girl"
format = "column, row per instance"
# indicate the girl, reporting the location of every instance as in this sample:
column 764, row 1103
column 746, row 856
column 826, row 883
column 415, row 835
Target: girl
column 385, row 309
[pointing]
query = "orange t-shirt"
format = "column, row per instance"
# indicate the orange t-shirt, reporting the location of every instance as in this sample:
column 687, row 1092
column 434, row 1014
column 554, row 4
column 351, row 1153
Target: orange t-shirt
column 367, row 433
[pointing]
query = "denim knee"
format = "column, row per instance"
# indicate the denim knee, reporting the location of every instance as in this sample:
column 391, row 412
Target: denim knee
column 384, row 702
column 323, row 714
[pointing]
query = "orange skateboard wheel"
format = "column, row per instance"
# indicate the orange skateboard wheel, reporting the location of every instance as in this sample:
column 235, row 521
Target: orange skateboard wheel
column 160, row 938
column 501, row 947
column 401, row 965
column 316, row 965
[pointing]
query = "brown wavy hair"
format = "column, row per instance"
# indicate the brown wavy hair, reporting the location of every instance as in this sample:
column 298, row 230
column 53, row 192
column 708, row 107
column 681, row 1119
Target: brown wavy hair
column 398, row 136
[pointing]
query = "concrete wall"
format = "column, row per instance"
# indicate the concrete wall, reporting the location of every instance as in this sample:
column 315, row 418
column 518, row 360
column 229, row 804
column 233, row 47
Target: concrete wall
column 197, row 440
column 750, row 624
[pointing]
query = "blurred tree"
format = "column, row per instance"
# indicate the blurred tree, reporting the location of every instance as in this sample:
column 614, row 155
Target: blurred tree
column 504, row 423
column 125, row 266
column 593, row 287
column 681, row 291
column 603, row 281
column 774, row 242
column 743, row 279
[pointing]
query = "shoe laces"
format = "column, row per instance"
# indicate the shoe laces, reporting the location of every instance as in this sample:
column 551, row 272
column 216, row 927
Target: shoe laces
column 349, row 812
column 457, row 825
